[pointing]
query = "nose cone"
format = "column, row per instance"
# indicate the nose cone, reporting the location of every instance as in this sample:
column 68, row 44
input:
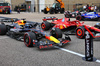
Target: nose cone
column 54, row 39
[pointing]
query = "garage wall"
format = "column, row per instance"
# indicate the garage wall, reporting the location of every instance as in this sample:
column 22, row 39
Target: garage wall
column 16, row 2
column 9, row 1
column 49, row 1
column 1, row 0
column 41, row 5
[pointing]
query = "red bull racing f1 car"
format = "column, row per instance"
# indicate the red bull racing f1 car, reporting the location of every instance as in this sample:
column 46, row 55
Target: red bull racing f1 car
column 41, row 39
column 32, row 34
column 16, row 29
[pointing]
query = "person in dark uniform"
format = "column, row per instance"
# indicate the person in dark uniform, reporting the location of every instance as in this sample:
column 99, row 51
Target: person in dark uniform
column 18, row 10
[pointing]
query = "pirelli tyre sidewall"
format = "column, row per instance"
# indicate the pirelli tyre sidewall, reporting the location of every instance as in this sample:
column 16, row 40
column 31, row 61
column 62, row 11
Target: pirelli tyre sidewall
column 80, row 32
column 57, row 33
column 45, row 25
column 28, row 38
column 2, row 29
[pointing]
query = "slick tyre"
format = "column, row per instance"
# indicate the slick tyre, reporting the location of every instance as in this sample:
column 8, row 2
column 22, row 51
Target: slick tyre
column 56, row 11
column 62, row 10
column 45, row 25
column 2, row 29
column 52, row 11
column 28, row 38
column 80, row 32
column 79, row 17
column 57, row 33
column 45, row 11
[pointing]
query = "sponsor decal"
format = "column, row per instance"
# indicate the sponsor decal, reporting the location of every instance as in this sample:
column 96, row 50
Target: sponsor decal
column 88, row 46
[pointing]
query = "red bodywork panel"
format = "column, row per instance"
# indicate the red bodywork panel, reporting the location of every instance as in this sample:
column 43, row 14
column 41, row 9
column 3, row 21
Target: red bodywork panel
column 88, row 28
column 3, row 7
column 65, row 23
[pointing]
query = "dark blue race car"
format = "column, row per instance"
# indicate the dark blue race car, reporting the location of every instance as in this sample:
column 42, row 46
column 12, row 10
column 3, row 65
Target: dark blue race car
column 88, row 16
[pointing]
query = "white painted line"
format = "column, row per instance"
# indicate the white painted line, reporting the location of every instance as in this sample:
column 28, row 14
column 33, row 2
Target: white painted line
column 72, row 52
column 75, row 53
column 98, row 61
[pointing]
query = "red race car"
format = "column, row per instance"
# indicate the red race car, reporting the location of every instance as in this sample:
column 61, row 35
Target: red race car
column 69, row 27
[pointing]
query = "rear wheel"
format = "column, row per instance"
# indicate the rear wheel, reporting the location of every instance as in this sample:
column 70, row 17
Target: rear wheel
column 79, row 17
column 28, row 38
column 45, row 11
column 2, row 29
column 80, row 32
column 56, row 11
column 57, row 33
column 45, row 25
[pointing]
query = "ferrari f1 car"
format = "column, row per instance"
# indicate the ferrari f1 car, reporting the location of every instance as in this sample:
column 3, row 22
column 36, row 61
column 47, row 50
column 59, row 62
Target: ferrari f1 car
column 88, row 16
column 16, row 29
column 41, row 39
column 69, row 27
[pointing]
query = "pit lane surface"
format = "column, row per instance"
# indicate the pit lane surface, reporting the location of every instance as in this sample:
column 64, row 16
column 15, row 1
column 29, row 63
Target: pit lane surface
column 15, row 53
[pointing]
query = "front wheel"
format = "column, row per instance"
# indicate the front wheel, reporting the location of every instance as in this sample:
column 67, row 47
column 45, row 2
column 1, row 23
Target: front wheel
column 57, row 33
column 80, row 32
column 28, row 38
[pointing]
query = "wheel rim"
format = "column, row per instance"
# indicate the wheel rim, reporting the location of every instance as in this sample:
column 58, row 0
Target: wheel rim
column 27, row 40
column 43, row 26
column 79, row 32
column 78, row 18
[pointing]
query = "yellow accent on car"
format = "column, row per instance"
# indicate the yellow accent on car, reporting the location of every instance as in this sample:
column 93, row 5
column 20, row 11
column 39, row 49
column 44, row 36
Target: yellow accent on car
column 77, row 25
column 65, row 26
column 61, row 26
column 54, row 39
column 0, row 10
column 96, row 28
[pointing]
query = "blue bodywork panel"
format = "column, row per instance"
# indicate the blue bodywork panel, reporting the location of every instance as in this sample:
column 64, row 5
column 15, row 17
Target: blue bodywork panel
column 90, row 15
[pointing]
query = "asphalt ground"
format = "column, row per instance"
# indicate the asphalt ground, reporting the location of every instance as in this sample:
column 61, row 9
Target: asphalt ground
column 15, row 53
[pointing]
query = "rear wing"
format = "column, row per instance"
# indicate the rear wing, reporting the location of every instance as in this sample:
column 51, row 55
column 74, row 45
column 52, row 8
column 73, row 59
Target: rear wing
column 9, row 20
column 49, row 18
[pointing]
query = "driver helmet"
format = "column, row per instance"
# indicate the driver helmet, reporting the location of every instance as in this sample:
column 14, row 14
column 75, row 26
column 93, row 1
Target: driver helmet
column 27, row 25
column 21, row 22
